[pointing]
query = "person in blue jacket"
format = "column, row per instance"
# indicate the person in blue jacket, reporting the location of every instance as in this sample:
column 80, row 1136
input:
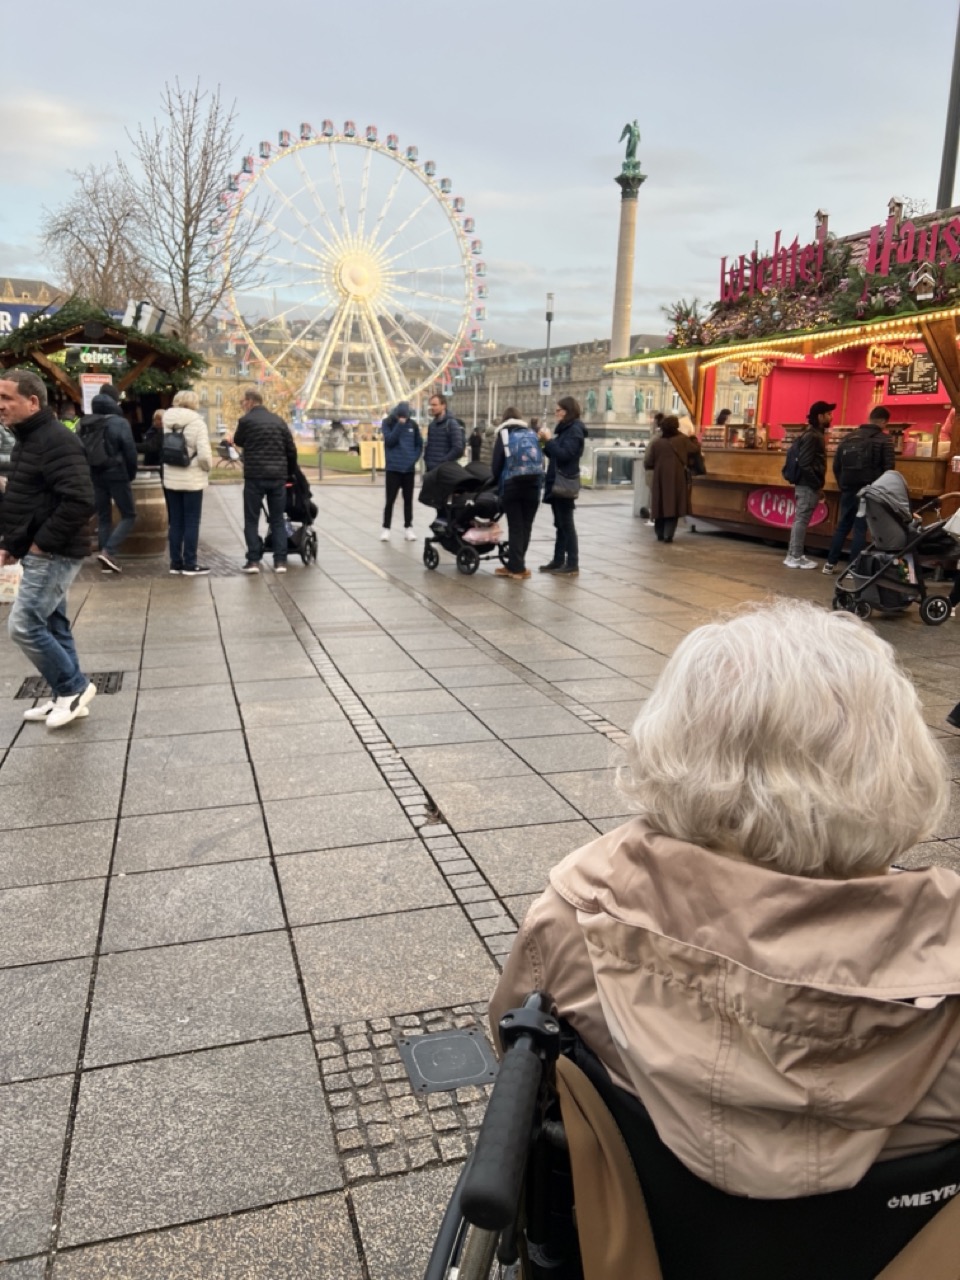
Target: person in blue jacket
column 563, row 453
column 403, row 445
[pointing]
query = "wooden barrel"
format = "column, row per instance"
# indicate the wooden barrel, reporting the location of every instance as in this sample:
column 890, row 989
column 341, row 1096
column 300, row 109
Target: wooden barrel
column 149, row 536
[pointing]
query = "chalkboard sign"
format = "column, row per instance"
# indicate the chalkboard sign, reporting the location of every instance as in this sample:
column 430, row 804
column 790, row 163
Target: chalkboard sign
column 916, row 379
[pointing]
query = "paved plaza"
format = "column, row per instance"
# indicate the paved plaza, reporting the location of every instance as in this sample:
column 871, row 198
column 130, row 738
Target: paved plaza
column 301, row 834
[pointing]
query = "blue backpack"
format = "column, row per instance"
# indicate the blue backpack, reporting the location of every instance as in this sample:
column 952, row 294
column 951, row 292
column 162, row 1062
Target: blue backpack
column 522, row 455
column 791, row 467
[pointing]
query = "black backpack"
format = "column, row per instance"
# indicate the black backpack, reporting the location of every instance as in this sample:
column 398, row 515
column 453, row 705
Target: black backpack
column 860, row 462
column 791, row 468
column 92, row 434
column 174, row 452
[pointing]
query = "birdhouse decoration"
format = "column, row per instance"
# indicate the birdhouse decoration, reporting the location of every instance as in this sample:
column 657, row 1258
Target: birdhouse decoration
column 923, row 282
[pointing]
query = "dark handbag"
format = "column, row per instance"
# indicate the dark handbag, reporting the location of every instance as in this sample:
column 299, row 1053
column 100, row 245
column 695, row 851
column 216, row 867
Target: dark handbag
column 697, row 465
column 566, row 487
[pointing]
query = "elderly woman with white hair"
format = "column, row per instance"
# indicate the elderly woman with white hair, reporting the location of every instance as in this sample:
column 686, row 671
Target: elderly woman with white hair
column 186, row 459
column 743, row 956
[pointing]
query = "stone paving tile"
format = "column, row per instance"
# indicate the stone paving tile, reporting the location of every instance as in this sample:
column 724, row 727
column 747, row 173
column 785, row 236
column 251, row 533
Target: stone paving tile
column 614, row 688
column 85, row 799
column 489, row 673
column 59, row 763
column 154, row 908
column 398, row 1220
column 518, row 859
column 154, row 756
column 418, row 702
column 621, row 714
column 30, row 1269
column 177, row 1139
column 193, row 996
column 949, row 827
column 278, row 741
column 934, row 853
column 479, row 803
column 482, row 697
column 303, row 1240
column 530, row 722
column 593, row 792
column 433, row 730
column 298, row 826
column 338, row 884
column 49, row 921
column 520, row 904
column 161, row 841
column 435, row 959
column 33, row 1118
column 72, row 851
column 462, row 760
column 171, row 721
column 392, row 681
column 182, row 675
column 325, row 775
column 564, row 752
column 41, row 1017
column 296, row 689
column 273, row 712
column 194, row 787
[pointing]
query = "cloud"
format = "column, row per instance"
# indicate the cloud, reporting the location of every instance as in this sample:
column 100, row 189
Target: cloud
column 52, row 135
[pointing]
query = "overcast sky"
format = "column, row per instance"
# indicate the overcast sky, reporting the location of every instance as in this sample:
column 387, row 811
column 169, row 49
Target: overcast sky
column 752, row 116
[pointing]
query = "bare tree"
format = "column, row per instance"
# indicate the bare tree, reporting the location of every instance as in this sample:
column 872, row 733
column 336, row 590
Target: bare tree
column 94, row 240
column 184, row 163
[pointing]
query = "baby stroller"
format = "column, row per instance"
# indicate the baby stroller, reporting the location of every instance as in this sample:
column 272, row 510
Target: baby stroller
column 545, row 1190
column 300, row 510
column 468, row 506
column 890, row 574
column 227, row 455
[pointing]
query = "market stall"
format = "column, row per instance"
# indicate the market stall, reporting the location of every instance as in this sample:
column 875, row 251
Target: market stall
column 899, row 349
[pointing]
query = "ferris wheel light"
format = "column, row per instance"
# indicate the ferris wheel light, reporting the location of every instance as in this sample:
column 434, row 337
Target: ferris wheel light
column 412, row 154
column 306, row 132
column 371, row 133
column 326, row 128
column 349, row 129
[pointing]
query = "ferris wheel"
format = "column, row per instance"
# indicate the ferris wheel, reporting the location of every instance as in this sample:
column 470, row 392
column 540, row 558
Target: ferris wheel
column 366, row 282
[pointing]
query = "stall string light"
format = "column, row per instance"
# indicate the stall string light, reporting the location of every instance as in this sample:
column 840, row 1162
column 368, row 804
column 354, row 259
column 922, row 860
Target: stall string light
column 762, row 354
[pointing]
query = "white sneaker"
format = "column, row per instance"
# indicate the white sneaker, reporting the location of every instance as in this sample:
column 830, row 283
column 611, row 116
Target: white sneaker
column 409, row 535
column 384, row 535
column 44, row 709
column 66, row 709
column 806, row 563
column 792, row 562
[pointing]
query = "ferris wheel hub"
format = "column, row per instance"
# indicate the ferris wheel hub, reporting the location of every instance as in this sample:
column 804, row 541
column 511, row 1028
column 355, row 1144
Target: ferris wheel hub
column 357, row 274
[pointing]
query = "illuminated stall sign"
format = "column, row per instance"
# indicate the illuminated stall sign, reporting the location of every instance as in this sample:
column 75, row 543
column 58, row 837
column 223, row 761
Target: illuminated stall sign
column 918, row 378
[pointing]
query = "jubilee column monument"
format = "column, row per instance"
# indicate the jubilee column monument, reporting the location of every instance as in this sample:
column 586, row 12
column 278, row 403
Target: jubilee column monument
column 629, row 179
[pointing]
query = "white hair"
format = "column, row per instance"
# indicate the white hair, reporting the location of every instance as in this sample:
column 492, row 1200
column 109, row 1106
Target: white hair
column 186, row 400
column 790, row 736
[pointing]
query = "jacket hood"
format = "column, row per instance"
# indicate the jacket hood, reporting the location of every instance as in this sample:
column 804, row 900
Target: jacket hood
column 777, row 1028
column 105, row 404
column 180, row 417
column 402, row 410
column 512, row 422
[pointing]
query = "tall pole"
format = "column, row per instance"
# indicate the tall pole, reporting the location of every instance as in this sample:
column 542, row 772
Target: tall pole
column 951, row 135
column 546, row 375
column 629, row 180
column 476, row 393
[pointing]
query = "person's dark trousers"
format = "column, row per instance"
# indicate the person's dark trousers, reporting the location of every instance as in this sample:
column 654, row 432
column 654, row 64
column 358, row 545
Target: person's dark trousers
column 397, row 482
column 566, row 549
column 665, row 528
column 848, row 519
column 254, row 491
column 183, row 512
column 520, row 502
column 106, row 492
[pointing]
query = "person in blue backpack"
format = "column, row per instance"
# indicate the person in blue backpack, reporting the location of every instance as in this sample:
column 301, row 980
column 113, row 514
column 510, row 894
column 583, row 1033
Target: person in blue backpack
column 811, row 471
column 518, row 467
column 402, row 445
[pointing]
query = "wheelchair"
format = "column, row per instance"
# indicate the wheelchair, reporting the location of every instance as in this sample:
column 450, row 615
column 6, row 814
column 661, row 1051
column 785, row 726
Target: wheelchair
column 513, row 1214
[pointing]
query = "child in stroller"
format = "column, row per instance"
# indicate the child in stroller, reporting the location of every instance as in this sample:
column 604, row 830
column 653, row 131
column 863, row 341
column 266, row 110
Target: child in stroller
column 301, row 511
column 468, row 507
column 890, row 574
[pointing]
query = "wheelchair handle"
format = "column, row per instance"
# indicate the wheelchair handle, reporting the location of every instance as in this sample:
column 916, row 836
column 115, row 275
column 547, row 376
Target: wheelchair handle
column 492, row 1185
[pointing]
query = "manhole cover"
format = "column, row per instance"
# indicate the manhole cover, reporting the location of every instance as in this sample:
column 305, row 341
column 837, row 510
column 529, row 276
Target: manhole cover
column 37, row 687
column 448, row 1060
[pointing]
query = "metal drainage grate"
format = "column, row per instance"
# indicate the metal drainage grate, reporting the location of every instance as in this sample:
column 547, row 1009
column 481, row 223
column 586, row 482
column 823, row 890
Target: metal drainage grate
column 37, row 687
column 448, row 1060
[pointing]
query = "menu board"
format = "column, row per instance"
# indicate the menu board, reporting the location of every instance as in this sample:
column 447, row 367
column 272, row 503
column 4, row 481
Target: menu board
column 916, row 379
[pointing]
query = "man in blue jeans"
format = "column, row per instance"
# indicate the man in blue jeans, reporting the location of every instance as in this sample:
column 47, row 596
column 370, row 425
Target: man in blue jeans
column 269, row 459
column 43, row 523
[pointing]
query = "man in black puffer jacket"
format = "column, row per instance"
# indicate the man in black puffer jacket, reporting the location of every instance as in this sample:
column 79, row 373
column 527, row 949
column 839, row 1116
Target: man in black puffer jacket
column 112, row 454
column 269, row 459
column 43, row 524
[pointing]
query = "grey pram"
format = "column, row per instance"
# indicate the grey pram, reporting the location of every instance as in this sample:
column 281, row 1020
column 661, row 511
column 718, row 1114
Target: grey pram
column 889, row 574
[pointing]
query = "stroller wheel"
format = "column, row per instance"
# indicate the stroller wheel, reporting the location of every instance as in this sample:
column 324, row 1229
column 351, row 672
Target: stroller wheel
column 503, row 551
column 934, row 610
column 431, row 556
column 862, row 609
column 842, row 601
column 308, row 546
column 467, row 560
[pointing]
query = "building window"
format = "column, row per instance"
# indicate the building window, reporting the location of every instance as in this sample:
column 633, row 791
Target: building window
column 218, row 397
column 675, row 402
column 648, row 402
column 217, row 371
column 736, row 404
column 204, row 395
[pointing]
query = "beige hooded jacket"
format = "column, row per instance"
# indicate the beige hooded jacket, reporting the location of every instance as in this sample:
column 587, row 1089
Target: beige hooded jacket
column 784, row 1033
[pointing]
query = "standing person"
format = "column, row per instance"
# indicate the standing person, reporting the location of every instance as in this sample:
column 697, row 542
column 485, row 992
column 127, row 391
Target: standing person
column 564, row 451
column 475, row 443
column 518, row 467
column 488, row 441
column 269, row 458
column 402, row 447
column 152, row 441
column 187, row 457
column 668, row 459
column 43, row 523
column 112, row 454
column 444, row 435
column 860, row 459
column 812, row 460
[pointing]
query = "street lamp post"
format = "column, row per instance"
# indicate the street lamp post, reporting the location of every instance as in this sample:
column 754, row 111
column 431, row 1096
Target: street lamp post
column 547, row 384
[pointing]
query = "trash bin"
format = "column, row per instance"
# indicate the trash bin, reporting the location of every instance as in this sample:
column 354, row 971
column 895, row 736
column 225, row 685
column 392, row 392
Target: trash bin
column 641, row 490
column 149, row 534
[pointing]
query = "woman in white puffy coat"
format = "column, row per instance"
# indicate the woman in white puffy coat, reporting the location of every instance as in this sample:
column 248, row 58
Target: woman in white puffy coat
column 183, row 486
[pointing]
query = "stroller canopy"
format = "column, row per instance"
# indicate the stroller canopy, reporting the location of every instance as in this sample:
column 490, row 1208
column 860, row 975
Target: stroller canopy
column 886, row 505
column 449, row 478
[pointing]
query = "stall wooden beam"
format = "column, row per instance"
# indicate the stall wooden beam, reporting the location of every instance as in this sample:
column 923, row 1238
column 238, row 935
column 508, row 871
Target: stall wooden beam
column 140, row 367
column 679, row 375
column 940, row 339
column 58, row 375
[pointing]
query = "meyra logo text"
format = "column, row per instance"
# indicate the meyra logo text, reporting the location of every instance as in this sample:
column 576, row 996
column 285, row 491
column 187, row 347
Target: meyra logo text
column 923, row 1198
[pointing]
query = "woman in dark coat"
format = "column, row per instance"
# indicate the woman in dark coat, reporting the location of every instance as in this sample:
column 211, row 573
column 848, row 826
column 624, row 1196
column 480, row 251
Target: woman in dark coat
column 669, row 460
column 563, row 452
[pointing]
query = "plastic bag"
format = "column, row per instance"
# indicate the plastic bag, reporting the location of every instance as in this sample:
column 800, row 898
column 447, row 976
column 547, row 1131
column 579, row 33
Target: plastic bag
column 481, row 534
column 953, row 524
column 10, row 575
